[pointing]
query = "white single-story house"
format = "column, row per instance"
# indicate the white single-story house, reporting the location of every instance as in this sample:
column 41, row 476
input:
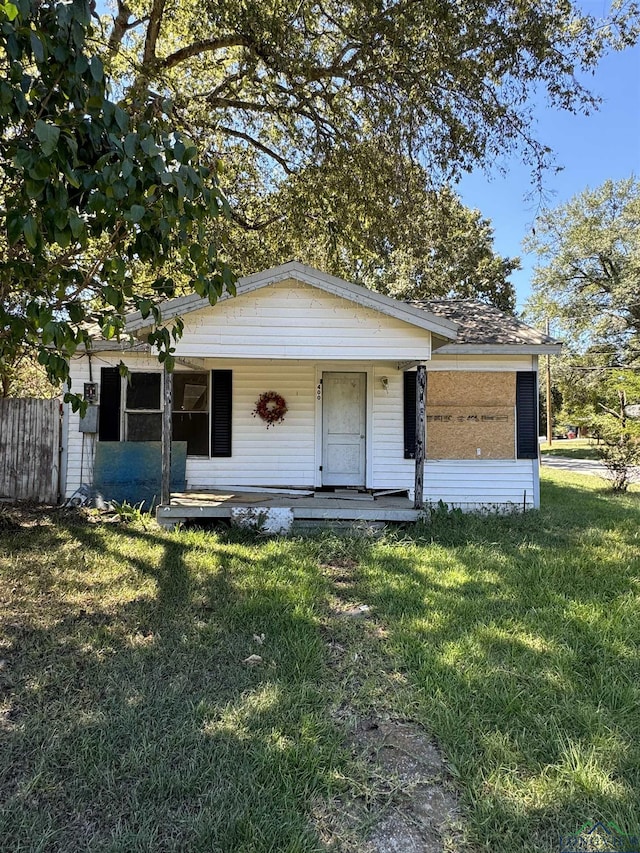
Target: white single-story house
column 343, row 361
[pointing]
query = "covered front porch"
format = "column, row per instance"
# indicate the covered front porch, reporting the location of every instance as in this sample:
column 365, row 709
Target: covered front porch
column 346, row 426
column 264, row 509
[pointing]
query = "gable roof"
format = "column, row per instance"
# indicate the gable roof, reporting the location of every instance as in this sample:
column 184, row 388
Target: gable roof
column 413, row 314
column 484, row 328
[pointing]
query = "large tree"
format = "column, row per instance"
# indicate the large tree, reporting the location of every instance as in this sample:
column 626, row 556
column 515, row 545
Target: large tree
column 98, row 197
column 105, row 199
column 339, row 121
column 588, row 276
column 587, row 282
column 419, row 244
column 444, row 80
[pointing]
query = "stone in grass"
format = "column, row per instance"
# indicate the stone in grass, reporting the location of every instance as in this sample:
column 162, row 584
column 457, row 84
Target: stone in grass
column 356, row 612
column 252, row 660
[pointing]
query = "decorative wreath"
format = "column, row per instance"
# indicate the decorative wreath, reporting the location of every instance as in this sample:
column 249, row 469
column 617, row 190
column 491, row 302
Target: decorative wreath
column 271, row 407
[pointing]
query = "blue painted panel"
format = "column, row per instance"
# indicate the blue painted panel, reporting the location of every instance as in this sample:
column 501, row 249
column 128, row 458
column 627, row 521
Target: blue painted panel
column 132, row 470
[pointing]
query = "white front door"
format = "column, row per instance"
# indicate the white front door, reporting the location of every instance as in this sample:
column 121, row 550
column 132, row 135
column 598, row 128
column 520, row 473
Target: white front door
column 344, row 418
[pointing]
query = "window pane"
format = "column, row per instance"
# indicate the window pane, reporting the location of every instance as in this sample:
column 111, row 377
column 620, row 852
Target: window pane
column 110, row 404
column 190, row 392
column 194, row 429
column 147, row 427
column 143, row 391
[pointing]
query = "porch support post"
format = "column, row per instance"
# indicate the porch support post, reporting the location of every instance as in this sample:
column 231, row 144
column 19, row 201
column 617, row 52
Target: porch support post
column 166, row 438
column 421, row 386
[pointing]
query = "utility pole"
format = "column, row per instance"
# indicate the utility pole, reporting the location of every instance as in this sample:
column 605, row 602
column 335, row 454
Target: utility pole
column 623, row 402
column 549, row 403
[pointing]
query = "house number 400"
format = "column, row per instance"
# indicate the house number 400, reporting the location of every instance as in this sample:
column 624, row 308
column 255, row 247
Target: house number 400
column 319, row 391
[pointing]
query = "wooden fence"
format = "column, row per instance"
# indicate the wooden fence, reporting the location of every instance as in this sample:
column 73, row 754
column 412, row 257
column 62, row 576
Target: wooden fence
column 29, row 449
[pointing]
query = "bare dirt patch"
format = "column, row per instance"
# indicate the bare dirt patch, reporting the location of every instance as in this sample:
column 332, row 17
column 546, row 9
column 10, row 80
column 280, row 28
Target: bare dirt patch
column 408, row 802
column 422, row 814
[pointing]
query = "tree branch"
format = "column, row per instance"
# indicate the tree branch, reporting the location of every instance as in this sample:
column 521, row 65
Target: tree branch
column 238, row 134
column 236, row 104
column 255, row 226
column 153, row 31
column 120, row 27
column 205, row 46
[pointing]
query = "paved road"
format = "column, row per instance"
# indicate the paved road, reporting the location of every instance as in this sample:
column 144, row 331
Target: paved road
column 582, row 466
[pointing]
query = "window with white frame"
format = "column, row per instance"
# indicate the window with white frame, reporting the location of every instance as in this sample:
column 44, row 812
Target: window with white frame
column 131, row 409
column 190, row 416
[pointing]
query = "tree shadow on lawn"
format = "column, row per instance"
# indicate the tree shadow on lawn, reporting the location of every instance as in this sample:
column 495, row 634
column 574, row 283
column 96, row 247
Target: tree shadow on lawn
column 521, row 638
column 130, row 722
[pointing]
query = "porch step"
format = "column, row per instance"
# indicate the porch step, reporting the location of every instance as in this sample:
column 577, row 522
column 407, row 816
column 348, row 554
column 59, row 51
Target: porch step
column 349, row 495
column 320, row 507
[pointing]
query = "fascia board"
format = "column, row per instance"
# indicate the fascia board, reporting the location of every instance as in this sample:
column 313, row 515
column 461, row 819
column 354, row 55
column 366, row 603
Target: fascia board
column 498, row 349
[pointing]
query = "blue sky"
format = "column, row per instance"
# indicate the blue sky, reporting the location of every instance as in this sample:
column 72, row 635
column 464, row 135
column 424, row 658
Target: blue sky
column 605, row 144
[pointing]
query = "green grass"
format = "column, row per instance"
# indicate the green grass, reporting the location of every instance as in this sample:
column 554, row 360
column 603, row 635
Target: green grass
column 575, row 448
column 129, row 722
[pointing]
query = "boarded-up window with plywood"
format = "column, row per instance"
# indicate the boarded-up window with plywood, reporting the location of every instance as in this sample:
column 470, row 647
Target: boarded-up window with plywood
column 471, row 415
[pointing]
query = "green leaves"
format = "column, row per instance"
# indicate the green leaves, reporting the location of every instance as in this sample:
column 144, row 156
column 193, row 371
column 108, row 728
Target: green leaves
column 131, row 144
column 136, row 212
column 372, row 217
column 37, row 48
column 14, row 227
column 30, row 231
column 99, row 195
column 48, row 136
column 9, row 10
column 588, row 277
column 587, row 283
column 97, row 71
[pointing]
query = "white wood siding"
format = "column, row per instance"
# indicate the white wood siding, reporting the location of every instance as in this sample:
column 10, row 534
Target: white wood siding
column 78, row 447
column 290, row 320
column 286, row 454
column 484, row 363
column 473, row 484
column 390, row 469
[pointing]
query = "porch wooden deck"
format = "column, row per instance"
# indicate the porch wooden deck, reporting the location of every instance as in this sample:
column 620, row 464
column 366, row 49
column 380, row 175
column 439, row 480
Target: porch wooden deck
column 316, row 507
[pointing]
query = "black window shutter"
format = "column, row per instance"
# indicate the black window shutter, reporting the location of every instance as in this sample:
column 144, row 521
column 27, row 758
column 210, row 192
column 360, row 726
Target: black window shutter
column 109, row 417
column 410, row 414
column 221, row 387
column 527, row 415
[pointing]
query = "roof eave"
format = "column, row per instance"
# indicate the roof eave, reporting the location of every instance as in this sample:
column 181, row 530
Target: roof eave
column 98, row 345
column 498, row 349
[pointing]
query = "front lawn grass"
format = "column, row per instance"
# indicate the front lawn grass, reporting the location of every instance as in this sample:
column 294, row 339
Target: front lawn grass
column 521, row 639
column 129, row 722
column 571, row 448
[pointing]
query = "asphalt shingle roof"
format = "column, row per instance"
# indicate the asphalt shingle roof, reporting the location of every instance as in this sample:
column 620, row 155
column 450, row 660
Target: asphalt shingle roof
column 480, row 323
